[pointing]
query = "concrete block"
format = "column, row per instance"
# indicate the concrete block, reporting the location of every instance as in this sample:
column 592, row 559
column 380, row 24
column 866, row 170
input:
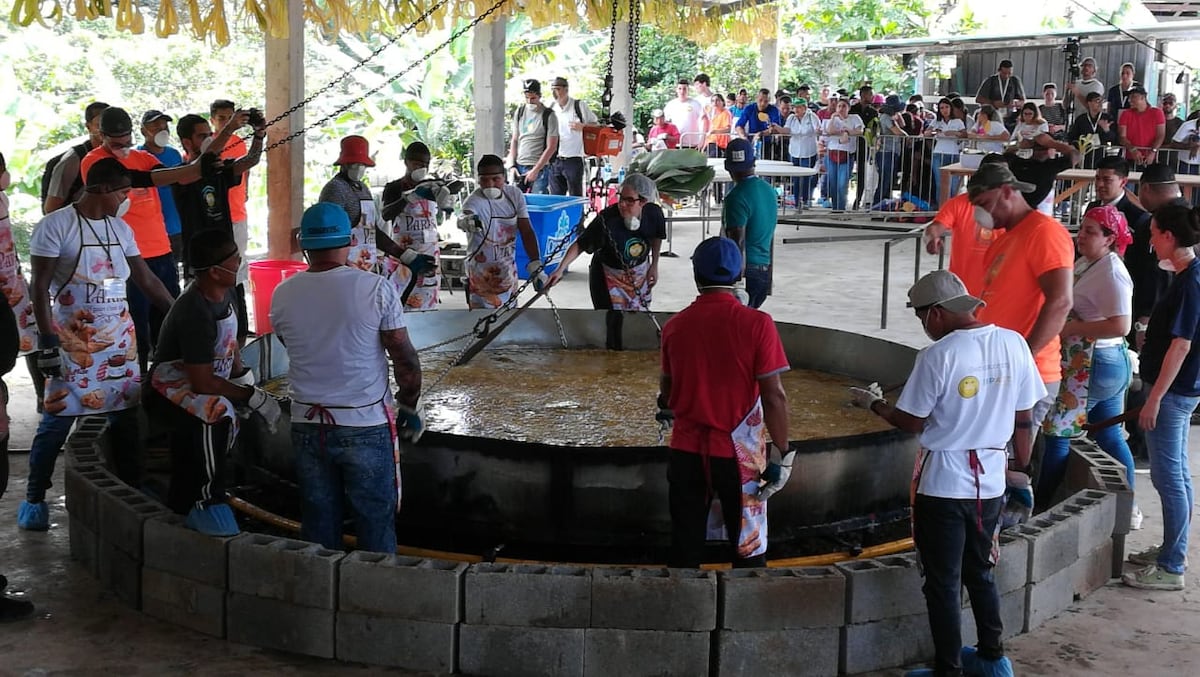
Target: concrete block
column 1053, row 544
column 82, row 485
column 285, row 570
column 654, row 599
column 401, row 587
column 1012, row 617
column 123, row 512
column 1093, row 570
column 1096, row 512
column 272, row 624
column 121, row 573
column 533, row 595
column 782, row 599
column 1118, row 555
column 85, row 546
column 171, row 547
column 651, row 653
column 397, row 642
column 1049, row 597
column 884, row 587
column 184, row 602
column 886, row 643
column 796, row 653
column 1012, row 571
column 507, row 651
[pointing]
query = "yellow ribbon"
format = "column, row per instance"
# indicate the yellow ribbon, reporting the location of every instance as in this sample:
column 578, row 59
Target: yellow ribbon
column 25, row 12
column 167, row 21
column 129, row 17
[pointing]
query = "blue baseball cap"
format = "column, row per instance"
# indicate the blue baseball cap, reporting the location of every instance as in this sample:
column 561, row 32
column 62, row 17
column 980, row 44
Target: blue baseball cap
column 739, row 156
column 718, row 259
column 324, row 225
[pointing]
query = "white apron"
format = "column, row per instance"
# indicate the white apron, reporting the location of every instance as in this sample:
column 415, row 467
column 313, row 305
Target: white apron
column 750, row 449
column 171, row 381
column 362, row 239
column 416, row 228
column 91, row 317
column 492, row 266
column 12, row 283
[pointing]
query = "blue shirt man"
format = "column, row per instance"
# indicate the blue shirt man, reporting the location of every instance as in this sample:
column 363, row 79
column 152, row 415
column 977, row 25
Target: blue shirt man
column 154, row 130
column 749, row 217
column 759, row 117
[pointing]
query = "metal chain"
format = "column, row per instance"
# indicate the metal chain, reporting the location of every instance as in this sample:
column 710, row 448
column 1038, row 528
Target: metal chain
column 635, row 34
column 562, row 333
column 607, row 96
column 637, row 288
column 354, row 102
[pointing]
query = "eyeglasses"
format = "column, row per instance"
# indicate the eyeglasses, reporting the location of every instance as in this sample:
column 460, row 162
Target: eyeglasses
column 631, row 200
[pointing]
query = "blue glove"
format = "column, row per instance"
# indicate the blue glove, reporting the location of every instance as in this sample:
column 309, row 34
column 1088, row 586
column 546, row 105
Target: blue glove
column 410, row 422
column 419, row 264
column 425, row 191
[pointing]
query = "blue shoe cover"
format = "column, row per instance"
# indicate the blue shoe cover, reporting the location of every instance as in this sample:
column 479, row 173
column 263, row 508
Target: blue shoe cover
column 215, row 520
column 1001, row 667
column 33, row 516
column 971, row 663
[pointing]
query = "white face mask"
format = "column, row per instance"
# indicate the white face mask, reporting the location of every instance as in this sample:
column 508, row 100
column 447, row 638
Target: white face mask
column 5, row 180
column 123, row 208
column 205, row 145
column 492, row 193
column 356, row 172
column 1166, row 265
column 162, row 139
column 122, row 153
column 418, row 174
column 531, row 107
column 983, row 218
column 633, row 223
column 925, row 325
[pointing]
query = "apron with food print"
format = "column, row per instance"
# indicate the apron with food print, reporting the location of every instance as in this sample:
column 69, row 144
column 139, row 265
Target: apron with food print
column 1069, row 413
column 170, row 379
column 91, row 317
column 416, row 229
column 12, row 283
column 750, row 449
column 491, row 265
column 628, row 288
column 362, row 239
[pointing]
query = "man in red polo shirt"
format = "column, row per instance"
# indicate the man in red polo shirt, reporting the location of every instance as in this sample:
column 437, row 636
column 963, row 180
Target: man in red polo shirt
column 720, row 385
column 1141, row 128
column 144, row 213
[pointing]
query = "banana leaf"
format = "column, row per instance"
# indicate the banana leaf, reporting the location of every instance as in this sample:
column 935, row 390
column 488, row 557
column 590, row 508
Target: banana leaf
column 678, row 173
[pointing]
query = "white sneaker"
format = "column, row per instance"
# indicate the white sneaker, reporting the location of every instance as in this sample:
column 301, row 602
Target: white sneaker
column 1135, row 519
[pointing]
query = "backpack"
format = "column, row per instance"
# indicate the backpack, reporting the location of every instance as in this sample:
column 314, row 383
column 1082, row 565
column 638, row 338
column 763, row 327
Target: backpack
column 47, row 173
column 546, row 114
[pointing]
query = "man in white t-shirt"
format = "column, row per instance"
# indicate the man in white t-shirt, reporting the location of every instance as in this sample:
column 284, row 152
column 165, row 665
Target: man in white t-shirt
column 687, row 114
column 567, row 169
column 1086, row 84
column 1187, row 140
column 967, row 393
column 340, row 326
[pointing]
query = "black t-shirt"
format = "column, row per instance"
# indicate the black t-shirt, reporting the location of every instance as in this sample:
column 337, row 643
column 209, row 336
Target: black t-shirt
column 204, row 204
column 1149, row 281
column 1041, row 173
column 1176, row 315
column 10, row 343
column 189, row 332
column 617, row 247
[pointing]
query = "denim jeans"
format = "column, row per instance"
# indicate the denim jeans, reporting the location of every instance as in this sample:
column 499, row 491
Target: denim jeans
column 955, row 553
column 354, row 467
column 541, row 185
column 146, row 318
column 1110, row 376
column 566, row 176
column 941, row 160
column 886, row 166
column 838, row 178
column 758, row 283
column 802, row 186
column 51, row 435
column 1171, row 476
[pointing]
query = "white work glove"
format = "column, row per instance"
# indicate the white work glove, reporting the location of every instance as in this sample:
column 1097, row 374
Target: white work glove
column 246, row 378
column 779, row 469
column 418, row 263
column 267, row 408
column 865, row 397
column 444, row 199
column 537, row 275
column 470, row 223
column 739, row 290
column 410, row 422
column 49, row 356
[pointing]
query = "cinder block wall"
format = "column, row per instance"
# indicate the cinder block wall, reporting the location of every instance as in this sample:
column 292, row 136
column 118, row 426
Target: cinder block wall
column 562, row 620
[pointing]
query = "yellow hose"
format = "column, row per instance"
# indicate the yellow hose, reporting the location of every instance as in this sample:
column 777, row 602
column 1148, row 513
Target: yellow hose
column 249, row 509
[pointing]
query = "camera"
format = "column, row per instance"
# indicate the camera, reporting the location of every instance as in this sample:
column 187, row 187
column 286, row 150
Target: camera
column 1071, row 49
column 256, row 118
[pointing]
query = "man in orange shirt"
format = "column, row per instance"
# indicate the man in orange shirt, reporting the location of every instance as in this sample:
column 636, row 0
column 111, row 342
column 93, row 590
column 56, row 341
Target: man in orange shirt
column 220, row 112
column 143, row 214
column 1029, row 273
column 969, row 241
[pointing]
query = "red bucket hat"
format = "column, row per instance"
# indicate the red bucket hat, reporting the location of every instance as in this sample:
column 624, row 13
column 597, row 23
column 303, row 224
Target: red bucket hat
column 355, row 151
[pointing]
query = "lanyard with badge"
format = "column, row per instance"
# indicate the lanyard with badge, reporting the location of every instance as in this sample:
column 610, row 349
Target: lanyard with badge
column 113, row 286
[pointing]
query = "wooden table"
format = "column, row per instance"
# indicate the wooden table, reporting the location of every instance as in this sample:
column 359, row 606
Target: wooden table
column 1078, row 178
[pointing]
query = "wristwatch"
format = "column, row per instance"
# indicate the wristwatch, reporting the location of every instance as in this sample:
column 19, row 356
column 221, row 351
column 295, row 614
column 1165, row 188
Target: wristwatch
column 1140, row 326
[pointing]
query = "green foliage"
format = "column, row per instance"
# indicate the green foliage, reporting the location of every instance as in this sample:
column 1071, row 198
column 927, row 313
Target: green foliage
column 732, row 67
column 662, row 61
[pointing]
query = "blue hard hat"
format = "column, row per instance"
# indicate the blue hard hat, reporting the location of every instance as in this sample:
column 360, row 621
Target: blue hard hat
column 324, row 225
column 718, row 260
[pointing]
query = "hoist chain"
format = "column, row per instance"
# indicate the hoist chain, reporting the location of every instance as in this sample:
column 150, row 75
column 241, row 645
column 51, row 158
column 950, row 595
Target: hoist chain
column 342, row 109
column 635, row 30
column 607, row 96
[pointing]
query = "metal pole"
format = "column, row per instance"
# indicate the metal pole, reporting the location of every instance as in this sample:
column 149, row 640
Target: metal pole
column 887, row 264
column 917, row 264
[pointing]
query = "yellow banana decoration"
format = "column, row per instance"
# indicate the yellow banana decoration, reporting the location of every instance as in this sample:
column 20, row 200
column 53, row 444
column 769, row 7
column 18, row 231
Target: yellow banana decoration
column 167, row 21
column 129, row 17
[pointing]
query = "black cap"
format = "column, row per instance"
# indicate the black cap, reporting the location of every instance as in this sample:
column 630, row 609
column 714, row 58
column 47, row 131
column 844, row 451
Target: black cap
column 560, row 82
column 532, row 85
column 152, row 115
column 804, row 88
column 1157, row 173
column 107, row 174
column 115, row 122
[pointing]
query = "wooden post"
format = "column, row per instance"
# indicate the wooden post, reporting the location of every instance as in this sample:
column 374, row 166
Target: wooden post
column 488, row 43
column 768, row 54
column 285, row 164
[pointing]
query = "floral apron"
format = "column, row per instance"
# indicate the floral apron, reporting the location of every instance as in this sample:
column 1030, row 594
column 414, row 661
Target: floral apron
column 627, row 289
column 750, row 449
column 416, row 228
column 100, row 371
column 362, row 238
column 492, row 267
column 12, row 283
column 171, row 381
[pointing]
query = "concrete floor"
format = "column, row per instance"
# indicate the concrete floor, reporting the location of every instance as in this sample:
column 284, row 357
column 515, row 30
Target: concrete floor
column 82, row 629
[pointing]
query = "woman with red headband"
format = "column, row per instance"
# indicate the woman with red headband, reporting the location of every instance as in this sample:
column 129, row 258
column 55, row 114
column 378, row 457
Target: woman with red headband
column 1096, row 368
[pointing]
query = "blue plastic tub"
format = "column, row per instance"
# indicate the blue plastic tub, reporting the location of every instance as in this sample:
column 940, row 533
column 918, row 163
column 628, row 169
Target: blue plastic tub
column 554, row 218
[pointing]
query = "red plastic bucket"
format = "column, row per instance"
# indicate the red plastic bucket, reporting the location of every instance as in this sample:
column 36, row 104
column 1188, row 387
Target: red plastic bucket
column 264, row 277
